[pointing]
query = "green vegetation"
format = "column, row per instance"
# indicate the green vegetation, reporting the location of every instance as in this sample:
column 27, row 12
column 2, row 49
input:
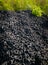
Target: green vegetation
column 36, row 6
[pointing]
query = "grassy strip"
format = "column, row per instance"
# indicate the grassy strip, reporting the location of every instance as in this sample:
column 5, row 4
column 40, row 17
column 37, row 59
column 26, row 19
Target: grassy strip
column 36, row 6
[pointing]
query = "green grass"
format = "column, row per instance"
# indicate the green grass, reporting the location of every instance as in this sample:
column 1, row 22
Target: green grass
column 36, row 6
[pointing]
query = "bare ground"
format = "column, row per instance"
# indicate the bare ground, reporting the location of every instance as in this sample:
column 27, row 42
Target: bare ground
column 23, row 38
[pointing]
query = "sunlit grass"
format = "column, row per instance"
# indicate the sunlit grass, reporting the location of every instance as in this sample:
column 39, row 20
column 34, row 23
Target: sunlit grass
column 36, row 6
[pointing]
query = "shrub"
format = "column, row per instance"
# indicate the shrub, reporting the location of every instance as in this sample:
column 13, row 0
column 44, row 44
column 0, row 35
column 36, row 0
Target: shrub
column 37, row 6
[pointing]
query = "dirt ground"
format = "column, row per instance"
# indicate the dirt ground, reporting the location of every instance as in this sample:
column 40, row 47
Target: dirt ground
column 23, row 38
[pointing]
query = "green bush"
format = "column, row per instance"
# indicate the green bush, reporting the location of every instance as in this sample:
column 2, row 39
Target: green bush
column 36, row 6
